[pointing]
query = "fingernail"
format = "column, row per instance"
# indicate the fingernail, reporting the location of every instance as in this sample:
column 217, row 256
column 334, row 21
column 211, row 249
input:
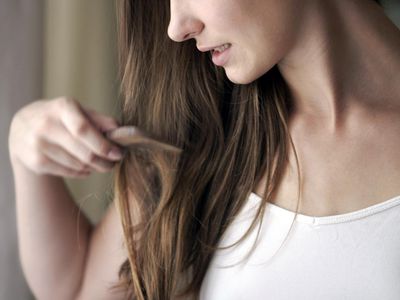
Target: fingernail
column 115, row 153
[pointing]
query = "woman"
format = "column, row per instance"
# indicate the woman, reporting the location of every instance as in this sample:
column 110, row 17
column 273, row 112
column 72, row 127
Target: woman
column 297, row 109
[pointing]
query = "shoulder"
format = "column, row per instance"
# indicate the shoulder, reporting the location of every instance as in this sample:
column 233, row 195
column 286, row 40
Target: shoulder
column 105, row 256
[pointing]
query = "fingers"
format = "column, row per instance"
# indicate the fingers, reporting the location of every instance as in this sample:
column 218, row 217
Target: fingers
column 62, row 138
column 67, row 150
column 59, row 155
column 102, row 122
column 75, row 120
column 53, row 167
column 53, row 160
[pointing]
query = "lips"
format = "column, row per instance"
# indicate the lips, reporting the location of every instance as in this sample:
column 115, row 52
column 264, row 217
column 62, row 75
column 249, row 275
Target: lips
column 220, row 58
column 205, row 49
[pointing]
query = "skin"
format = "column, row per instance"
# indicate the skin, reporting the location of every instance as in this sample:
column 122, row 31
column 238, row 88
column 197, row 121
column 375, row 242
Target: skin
column 341, row 60
column 48, row 140
column 214, row 23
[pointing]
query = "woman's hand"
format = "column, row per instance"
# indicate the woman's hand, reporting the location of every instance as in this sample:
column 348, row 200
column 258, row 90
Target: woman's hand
column 62, row 138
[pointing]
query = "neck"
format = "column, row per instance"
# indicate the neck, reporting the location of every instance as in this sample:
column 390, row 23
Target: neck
column 346, row 59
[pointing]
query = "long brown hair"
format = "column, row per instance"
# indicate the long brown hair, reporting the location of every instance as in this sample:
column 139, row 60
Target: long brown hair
column 175, row 208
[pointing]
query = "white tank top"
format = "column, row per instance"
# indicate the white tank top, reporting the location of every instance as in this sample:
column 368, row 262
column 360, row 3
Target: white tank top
column 353, row 256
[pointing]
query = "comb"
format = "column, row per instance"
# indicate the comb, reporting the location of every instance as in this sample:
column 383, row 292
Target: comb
column 130, row 136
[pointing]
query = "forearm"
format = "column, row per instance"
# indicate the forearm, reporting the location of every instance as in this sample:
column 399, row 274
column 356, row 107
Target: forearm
column 52, row 234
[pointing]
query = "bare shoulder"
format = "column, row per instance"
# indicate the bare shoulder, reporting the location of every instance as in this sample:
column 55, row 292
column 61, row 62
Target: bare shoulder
column 106, row 254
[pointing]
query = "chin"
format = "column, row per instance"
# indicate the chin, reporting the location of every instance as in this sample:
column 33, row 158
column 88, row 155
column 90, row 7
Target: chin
column 243, row 79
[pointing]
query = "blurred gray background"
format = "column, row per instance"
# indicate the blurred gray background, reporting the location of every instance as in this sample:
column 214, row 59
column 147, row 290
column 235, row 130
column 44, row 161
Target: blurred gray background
column 52, row 48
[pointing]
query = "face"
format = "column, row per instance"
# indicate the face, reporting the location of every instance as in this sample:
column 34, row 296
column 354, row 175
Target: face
column 260, row 32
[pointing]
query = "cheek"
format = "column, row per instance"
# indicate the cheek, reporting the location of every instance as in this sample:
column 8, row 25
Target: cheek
column 261, row 41
column 243, row 67
column 249, row 61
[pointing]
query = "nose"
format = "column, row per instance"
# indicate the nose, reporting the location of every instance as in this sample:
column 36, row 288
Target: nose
column 183, row 24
